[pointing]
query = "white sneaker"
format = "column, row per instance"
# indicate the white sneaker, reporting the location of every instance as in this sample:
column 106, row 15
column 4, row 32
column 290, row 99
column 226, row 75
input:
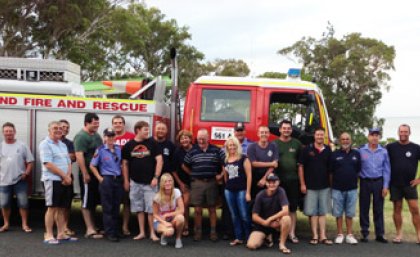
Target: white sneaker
column 178, row 244
column 351, row 240
column 339, row 239
column 163, row 240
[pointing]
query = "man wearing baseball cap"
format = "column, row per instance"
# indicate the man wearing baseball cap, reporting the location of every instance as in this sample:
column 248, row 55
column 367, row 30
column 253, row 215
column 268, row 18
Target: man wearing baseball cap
column 239, row 133
column 270, row 215
column 374, row 183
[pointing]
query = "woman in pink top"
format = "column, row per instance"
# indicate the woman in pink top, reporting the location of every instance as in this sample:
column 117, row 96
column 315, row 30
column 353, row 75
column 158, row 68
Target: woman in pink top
column 168, row 211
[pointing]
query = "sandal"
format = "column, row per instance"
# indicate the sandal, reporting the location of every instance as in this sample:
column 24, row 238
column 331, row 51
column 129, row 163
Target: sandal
column 186, row 232
column 236, row 242
column 94, row 236
column 51, row 241
column 397, row 240
column 27, row 229
column 4, row 229
column 285, row 250
column 326, row 241
column 293, row 239
column 68, row 239
column 313, row 241
column 139, row 237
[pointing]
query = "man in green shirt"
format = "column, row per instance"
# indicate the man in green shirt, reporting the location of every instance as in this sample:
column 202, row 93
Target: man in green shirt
column 85, row 143
column 287, row 171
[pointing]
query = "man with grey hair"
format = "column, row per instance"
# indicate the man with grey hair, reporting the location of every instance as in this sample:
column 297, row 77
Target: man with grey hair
column 16, row 162
column 204, row 163
column 56, row 176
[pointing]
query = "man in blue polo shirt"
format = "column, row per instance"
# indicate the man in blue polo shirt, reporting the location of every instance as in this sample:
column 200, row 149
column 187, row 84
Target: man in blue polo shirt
column 374, row 183
column 106, row 167
column 345, row 167
column 204, row 163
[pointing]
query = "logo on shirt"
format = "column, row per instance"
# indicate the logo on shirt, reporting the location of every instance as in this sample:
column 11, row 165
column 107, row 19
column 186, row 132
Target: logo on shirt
column 232, row 170
column 166, row 151
column 270, row 153
column 408, row 154
column 140, row 151
column 339, row 158
column 354, row 158
column 292, row 150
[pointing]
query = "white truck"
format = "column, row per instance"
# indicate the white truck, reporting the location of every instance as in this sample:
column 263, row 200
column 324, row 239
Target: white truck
column 34, row 92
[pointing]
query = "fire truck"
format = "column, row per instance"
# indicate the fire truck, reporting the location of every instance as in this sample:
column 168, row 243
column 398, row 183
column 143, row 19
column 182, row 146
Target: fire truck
column 218, row 103
column 35, row 92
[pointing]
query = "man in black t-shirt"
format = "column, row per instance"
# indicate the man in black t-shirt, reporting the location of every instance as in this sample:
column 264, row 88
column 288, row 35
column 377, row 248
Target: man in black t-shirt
column 142, row 165
column 404, row 157
column 270, row 214
column 166, row 146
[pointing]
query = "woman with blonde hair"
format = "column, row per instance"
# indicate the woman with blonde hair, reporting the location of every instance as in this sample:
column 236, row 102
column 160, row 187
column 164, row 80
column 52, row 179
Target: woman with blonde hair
column 238, row 189
column 168, row 211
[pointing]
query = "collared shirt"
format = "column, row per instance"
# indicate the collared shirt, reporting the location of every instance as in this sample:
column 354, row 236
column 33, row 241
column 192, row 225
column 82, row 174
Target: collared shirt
column 56, row 153
column 204, row 164
column 345, row 168
column 108, row 162
column 375, row 164
column 245, row 145
column 316, row 163
column 13, row 159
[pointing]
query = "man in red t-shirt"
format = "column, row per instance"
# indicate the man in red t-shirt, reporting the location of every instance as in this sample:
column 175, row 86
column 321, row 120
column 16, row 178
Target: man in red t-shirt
column 122, row 137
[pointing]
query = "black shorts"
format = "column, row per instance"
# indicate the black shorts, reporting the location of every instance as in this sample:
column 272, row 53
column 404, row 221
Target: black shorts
column 56, row 194
column 266, row 230
column 400, row 192
column 90, row 192
column 291, row 187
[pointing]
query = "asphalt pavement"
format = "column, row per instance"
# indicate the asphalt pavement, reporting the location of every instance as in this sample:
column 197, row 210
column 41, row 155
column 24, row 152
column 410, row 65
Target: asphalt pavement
column 17, row 243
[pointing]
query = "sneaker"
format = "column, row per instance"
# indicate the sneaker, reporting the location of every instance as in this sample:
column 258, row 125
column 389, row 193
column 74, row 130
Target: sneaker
column 178, row 244
column 351, row 240
column 339, row 239
column 163, row 241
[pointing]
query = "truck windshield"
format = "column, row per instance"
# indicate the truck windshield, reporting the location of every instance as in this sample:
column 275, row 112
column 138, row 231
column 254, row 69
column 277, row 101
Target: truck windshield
column 299, row 108
column 225, row 105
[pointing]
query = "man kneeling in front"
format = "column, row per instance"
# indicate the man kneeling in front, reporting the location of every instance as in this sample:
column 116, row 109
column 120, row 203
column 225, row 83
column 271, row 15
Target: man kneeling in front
column 270, row 215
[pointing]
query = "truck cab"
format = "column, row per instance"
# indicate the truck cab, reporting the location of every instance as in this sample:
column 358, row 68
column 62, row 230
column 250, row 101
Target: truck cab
column 218, row 103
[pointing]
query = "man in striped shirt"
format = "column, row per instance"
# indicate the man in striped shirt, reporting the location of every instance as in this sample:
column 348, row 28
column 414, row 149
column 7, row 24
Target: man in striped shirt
column 204, row 164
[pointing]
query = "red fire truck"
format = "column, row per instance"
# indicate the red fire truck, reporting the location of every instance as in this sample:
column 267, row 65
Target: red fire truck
column 217, row 103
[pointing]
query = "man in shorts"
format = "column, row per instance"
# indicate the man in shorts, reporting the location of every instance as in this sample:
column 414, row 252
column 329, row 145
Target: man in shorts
column 16, row 163
column 315, row 184
column 166, row 146
column 345, row 167
column 404, row 157
column 204, row 163
column 289, row 149
column 85, row 143
column 142, row 165
column 270, row 215
column 56, row 176
column 122, row 136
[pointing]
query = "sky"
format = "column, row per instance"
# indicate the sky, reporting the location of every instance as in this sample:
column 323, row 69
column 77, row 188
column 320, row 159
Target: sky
column 255, row 30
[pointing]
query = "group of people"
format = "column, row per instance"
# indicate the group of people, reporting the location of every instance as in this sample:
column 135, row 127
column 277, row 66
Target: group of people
column 262, row 183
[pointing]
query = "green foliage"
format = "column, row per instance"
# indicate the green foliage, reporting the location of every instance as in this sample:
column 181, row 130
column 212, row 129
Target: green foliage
column 229, row 67
column 351, row 72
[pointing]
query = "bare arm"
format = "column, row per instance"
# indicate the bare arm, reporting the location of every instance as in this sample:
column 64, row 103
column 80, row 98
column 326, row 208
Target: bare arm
column 96, row 173
column 124, row 168
column 158, row 170
column 257, row 164
column 57, row 171
column 28, row 170
column 247, row 167
column 302, row 179
column 186, row 169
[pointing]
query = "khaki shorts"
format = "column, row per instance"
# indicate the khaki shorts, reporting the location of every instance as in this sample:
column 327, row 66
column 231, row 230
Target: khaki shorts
column 204, row 192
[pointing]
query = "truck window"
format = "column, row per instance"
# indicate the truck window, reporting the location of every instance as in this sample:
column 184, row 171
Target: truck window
column 300, row 108
column 225, row 105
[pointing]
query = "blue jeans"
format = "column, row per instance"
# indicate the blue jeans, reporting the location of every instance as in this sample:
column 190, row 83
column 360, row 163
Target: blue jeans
column 21, row 191
column 238, row 208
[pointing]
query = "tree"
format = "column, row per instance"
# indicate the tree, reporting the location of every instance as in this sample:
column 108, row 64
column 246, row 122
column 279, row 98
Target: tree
column 229, row 67
column 351, row 72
